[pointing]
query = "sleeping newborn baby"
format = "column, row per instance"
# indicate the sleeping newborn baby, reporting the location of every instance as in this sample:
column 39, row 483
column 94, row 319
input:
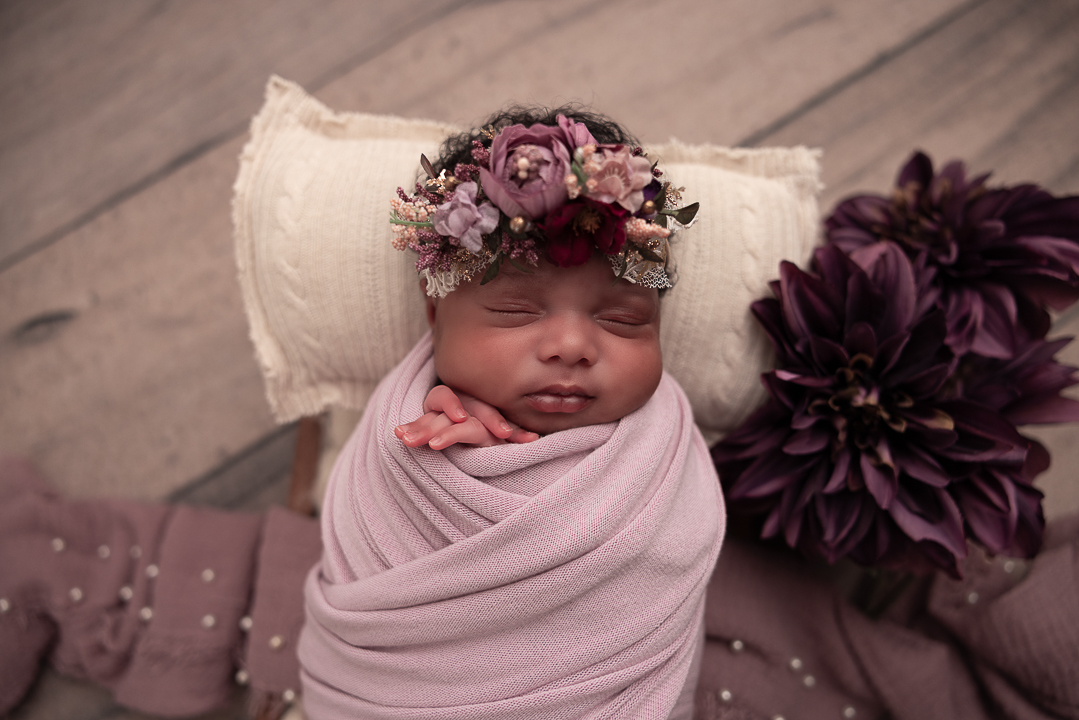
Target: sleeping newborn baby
column 525, row 520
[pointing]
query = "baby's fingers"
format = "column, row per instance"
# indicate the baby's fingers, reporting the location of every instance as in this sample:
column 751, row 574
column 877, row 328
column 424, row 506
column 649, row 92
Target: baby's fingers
column 469, row 432
column 419, row 432
column 442, row 399
column 520, row 435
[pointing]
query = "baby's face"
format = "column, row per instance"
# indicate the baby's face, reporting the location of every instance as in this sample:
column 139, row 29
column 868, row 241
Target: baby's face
column 555, row 349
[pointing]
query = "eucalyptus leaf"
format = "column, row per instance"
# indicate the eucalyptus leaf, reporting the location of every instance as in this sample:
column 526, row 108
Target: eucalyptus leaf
column 661, row 220
column 685, row 215
column 492, row 270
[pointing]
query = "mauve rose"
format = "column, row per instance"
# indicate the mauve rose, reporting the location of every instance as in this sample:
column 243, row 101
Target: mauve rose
column 460, row 218
column 621, row 177
column 541, row 155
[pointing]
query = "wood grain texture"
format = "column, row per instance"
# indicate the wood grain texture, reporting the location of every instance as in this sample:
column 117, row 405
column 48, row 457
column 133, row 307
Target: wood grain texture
column 999, row 88
column 98, row 96
column 124, row 354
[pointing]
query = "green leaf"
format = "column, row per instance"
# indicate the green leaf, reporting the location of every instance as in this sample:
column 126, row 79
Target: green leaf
column 518, row 265
column 492, row 241
column 648, row 253
column 492, row 270
column 624, row 266
column 685, row 215
column 661, row 219
column 578, row 170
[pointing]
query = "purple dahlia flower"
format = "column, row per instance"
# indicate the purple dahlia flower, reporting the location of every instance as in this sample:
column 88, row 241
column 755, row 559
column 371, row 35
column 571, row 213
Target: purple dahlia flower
column 1003, row 255
column 857, row 452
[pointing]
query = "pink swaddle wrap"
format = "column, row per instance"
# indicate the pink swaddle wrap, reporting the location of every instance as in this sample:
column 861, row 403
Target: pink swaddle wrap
column 562, row 578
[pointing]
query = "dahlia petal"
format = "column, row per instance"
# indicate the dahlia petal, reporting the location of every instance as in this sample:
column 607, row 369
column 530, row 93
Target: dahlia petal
column 920, row 465
column 860, row 338
column 1043, row 410
column 838, row 479
column 918, row 169
column 944, row 525
column 880, row 481
column 811, row 440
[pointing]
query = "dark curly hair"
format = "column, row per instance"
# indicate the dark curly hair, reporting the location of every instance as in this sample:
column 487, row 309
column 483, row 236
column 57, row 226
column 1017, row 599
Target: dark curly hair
column 458, row 148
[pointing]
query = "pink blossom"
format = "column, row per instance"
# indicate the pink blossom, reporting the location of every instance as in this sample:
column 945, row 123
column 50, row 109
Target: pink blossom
column 619, row 177
column 461, row 219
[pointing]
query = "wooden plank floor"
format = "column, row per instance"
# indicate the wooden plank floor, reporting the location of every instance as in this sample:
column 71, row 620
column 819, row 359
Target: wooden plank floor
column 125, row 366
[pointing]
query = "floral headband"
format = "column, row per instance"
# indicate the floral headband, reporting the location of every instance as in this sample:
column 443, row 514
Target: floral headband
column 549, row 188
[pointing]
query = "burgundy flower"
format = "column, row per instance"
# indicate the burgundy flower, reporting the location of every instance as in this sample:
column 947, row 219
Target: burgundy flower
column 858, row 451
column 575, row 230
column 1003, row 255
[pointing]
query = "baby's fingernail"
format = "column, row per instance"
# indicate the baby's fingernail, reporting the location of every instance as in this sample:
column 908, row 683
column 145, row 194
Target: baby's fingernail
column 406, row 437
column 461, row 414
column 505, row 427
column 434, row 441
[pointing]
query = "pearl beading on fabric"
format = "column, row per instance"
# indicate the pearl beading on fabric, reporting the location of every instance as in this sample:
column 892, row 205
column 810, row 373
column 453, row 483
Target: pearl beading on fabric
column 795, row 664
column 277, row 642
column 126, row 593
column 289, row 695
column 152, row 571
column 146, row 614
column 208, row 621
column 242, row 677
column 76, row 594
column 246, row 622
column 58, row 544
column 103, row 552
column 207, row 575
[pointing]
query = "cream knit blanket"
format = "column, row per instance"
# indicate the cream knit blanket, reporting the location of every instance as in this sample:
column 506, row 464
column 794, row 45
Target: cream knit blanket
column 562, row 578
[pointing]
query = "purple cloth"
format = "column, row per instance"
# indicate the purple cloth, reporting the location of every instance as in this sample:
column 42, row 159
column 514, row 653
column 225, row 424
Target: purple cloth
column 146, row 599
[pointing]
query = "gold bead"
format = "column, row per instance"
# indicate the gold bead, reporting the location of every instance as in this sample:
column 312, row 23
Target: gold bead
column 518, row 224
column 648, row 208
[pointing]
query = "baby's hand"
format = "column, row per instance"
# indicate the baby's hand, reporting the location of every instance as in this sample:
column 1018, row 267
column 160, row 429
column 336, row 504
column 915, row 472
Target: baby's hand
column 459, row 418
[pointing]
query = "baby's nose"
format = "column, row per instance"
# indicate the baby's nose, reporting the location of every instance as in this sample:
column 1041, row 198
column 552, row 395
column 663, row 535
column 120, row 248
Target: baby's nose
column 570, row 340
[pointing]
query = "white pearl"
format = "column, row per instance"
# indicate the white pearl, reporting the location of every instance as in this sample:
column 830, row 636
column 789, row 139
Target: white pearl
column 809, row 681
column 737, row 646
column 725, row 695
column 796, row 663
column 246, row 622
column 1009, row 566
column 522, row 163
column 75, row 593
column 242, row 677
column 208, row 621
column 5, row 605
column 126, row 593
column 522, row 174
column 103, row 552
column 849, row 712
column 146, row 613
column 58, row 544
column 289, row 695
column 972, row 598
column 277, row 642
column 151, row 571
column 207, row 575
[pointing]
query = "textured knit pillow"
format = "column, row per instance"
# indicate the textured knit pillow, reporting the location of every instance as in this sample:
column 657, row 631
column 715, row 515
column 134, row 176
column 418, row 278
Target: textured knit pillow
column 333, row 307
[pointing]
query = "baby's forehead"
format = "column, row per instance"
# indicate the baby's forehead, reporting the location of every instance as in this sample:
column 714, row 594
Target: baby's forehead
column 547, row 280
